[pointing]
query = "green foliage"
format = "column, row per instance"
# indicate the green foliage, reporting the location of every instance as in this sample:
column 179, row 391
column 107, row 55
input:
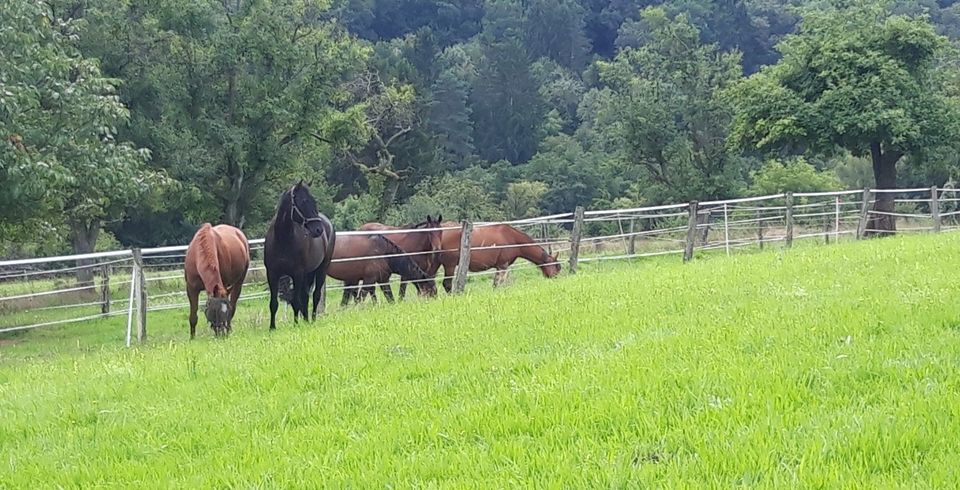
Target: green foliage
column 523, row 199
column 854, row 78
column 59, row 117
column 454, row 197
column 671, row 119
column 793, row 175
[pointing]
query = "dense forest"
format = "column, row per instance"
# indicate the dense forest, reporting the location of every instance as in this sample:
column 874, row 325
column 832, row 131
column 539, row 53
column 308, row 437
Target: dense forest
column 129, row 122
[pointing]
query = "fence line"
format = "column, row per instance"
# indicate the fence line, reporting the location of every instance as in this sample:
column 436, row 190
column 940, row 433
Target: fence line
column 735, row 224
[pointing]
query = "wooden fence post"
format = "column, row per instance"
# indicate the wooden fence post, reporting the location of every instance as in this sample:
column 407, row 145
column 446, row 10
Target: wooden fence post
column 463, row 265
column 760, row 226
column 141, row 287
column 632, row 244
column 935, row 208
column 826, row 232
column 575, row 236
column 691, row 232
column 788, row 239
column 105, row 289
column 864, row 215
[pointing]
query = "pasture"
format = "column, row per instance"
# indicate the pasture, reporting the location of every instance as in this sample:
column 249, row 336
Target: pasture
column 818, row 366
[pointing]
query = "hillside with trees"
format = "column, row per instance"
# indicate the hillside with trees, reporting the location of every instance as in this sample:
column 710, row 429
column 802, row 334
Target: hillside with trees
column 133, row 121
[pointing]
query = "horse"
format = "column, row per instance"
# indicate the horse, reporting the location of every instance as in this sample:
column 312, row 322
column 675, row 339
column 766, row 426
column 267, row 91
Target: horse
column 388, row 260
column 299, row 243
column 516, row 243
column 217, row 261
column 417, row 242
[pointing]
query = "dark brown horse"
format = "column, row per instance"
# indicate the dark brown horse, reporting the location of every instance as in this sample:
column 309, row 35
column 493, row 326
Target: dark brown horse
column 299, row 244
column 352, row 268
column 426, row 244
column 515, row 244
column 217, row 261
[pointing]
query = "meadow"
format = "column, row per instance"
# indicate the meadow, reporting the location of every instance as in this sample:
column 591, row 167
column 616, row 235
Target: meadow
column 821, row 366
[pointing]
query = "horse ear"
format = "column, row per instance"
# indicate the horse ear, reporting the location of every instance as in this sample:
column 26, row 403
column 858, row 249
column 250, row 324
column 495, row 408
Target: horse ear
column 439, row 218
column 429, row 219
column 556, row 258
column 310, row 184
column 301, row 182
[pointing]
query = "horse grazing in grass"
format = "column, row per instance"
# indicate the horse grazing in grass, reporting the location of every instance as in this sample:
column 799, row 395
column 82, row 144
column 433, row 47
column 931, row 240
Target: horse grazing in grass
column 217, row 261
column 299, row 244
column 516, row 243
column 426, row 244
column 387, row 260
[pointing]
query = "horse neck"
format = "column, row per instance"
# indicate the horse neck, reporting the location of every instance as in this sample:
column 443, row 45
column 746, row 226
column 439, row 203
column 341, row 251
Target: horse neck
column 283, row 223
column 532, row 252
column 208, row 260
column 399, row 264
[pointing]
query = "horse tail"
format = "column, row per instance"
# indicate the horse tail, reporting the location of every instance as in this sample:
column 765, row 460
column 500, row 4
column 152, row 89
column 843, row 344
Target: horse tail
column 398, row 263
column 208, row 261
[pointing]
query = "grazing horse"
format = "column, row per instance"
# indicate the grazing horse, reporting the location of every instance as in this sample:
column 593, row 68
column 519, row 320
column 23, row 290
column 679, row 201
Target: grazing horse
column 516, row 244
column 388, row 260
column 299, row 243
column 217, row 261
column 417, row 242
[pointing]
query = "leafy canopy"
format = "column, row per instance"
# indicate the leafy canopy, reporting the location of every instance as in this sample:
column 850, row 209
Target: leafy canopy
column 852, row 76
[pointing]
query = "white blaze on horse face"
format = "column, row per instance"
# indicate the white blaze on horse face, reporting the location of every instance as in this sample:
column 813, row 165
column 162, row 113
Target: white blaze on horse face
column 223, row 308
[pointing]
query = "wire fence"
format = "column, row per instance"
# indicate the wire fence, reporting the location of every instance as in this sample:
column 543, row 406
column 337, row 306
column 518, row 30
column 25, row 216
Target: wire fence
column 67, row 290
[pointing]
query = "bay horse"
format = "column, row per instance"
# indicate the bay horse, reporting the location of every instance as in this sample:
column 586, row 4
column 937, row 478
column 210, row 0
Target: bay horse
column 299, row 243
column 418, row 242
column 516, row 243
column 387, row 260
column 217, row 261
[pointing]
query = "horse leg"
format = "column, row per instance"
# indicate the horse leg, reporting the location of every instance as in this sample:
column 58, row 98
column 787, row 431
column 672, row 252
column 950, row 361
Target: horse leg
column 234, row 299
column 447, row 279
column 387, row 292
column 272, row 280
column 403, row 289
column 304, row 297
column 348, row 293
column 318, row 293
column 193, row 296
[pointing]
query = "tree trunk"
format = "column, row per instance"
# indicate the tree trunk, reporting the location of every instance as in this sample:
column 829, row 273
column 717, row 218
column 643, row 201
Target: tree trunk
column 233, row 212
column 83, row 237
column 885, row 174
column 389, row 195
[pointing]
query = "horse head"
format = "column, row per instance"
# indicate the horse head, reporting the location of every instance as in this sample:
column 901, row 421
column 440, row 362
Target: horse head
column 218, row 312
column 303, row 210
column 550, row 265
column 434, row 236
column 426, row 287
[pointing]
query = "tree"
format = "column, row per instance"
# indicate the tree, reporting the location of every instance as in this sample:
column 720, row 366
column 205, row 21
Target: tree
column 226, row 94
column 794, row 175
column 553, row 29
column 370, row 128
column 507, row 109
column 523, row 199
column 670, row 117
column 61, row 158
column 854, row 78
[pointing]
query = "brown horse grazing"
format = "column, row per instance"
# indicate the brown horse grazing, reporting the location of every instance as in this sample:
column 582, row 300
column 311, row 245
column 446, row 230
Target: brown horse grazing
column 217, row 261
column 483, row 258
column 374, row 271
column 417, row 242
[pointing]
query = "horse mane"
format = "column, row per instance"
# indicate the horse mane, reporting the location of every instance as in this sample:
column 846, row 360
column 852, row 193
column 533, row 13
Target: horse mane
column 283, row 223
column 522, row 237
column 399, row 264
column 208, row 262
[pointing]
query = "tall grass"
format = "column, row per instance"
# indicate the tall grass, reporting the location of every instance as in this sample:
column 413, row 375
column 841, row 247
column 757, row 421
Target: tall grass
column 818, row 367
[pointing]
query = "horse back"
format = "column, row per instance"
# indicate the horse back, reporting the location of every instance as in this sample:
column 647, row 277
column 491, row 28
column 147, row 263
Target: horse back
column 233, row 251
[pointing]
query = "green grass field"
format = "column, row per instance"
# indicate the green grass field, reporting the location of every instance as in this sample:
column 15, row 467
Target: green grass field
column 824, row 366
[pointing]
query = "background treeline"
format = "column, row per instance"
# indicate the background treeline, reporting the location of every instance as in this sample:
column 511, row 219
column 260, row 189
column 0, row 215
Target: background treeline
column 132, row 121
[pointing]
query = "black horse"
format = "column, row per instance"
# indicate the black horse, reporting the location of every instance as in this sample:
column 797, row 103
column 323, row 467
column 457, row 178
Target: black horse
column 299, row 244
